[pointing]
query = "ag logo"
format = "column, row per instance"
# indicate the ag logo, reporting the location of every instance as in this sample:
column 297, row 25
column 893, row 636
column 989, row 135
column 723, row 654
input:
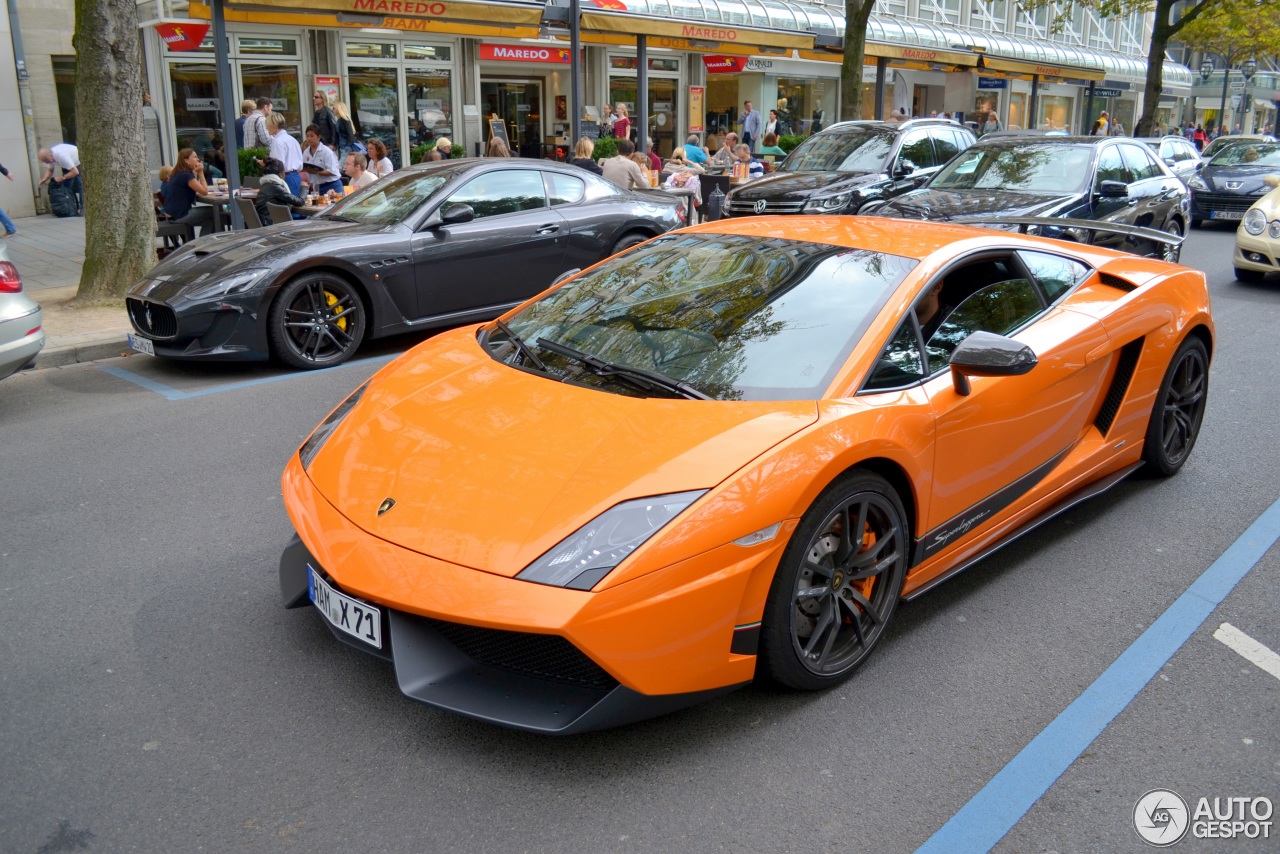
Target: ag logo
column 1161, row 817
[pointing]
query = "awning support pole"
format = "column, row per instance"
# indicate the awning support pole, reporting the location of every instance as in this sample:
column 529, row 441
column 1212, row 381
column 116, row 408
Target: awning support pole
column 882, row 67
column 229, row 104
column 642, row 94
column 575, row 74
column 1031, row 109
column 1088, row 107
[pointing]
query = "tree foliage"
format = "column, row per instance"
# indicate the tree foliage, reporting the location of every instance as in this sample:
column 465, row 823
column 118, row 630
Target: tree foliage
column 1235, row 30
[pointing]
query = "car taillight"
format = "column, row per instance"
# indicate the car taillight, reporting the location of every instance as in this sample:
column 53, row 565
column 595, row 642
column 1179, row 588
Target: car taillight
column 10, row 281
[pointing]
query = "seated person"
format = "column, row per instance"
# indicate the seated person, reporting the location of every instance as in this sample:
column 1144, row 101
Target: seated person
column 755, row 167
column 164, row 174
column 180, row 191
column 272, row 189
column 680, row 162
column 931, row 311
column 694, row 152
column 769, row 148
column 724, row 157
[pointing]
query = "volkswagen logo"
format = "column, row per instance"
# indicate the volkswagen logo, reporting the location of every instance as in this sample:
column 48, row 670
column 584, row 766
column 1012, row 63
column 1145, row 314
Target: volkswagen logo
column 1234, row 185
column 387, row 504
column 761, row 205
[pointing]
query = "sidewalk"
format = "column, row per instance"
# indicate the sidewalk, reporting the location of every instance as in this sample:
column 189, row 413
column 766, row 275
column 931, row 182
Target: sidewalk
column 49, row 253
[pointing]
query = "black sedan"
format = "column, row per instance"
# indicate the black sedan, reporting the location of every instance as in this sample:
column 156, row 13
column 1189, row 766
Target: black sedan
column 1110, row 180
column 1226, row 186
column 435, row 245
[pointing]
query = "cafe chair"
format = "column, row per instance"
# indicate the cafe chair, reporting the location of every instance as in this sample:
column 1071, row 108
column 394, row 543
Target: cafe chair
column 173, row 234
column 279, row 213
column 249, row 212
column 251, row 182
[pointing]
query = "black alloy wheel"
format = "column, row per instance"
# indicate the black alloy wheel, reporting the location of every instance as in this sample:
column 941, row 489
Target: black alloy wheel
column 1172, row 253
column 627, row 241
column 837, row 586
column 316, row 321
column 1179, row 410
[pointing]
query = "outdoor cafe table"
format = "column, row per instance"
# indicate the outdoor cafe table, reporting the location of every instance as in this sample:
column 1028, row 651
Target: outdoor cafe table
column 220, row 202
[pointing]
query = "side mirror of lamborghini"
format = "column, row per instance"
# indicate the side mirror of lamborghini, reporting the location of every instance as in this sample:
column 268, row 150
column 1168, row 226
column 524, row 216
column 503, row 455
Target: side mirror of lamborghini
column 985, row 354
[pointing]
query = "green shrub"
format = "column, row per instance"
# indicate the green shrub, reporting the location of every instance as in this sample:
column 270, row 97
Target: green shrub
column 789, row 141
column 457, row 151
column 418, row 152
column 606, row 146
column 249, row 157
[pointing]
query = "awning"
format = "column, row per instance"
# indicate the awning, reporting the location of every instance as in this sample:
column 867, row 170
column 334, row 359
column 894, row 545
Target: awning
column 527, row 12
column 927, row 56
column 743, row 37
column 258, row 14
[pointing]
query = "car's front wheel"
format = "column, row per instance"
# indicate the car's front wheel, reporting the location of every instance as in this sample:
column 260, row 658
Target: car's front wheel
column 627, row 241
column 316, row 321
column 1179, row 410
column 1172, row 253
column 837, row 585
column 1253, row 276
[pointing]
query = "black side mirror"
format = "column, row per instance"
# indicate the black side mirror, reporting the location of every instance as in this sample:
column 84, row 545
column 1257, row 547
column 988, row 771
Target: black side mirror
column 985, row 354
column 455, row 214
column 1113, row 189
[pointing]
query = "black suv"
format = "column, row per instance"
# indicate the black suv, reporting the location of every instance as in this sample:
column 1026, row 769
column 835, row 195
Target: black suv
column 852, row 167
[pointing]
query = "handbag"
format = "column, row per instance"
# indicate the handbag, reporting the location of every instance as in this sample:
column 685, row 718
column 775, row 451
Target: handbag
column 62, row 200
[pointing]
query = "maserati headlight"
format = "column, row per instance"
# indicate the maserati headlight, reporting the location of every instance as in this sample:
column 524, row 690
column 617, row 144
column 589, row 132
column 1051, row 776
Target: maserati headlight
column 237, row 283
column 1255, row 222
column 828, row 204
column 316, row 440
column 1195, row 182
column 589, row 553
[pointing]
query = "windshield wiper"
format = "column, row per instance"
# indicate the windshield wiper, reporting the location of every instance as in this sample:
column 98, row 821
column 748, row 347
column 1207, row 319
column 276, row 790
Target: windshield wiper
column 640, row 378
column 337, row 217
column 522, row 346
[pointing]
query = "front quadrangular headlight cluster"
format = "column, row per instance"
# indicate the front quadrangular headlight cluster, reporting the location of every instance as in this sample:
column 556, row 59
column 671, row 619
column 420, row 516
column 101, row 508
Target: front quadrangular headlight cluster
column 242, row 281
column 587, row 555
column 828, row 204
column 1255, row 222
column 1195, row 182
column 316, row 440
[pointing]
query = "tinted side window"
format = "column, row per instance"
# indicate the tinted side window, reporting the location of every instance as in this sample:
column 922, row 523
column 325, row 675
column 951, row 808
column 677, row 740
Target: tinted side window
column 1111, row 167
column 565, row 189
column 917, row 150
column 1056, row 274
column 1185, row 151
column 502, row 192
column 1000, row 308
column 1140, row 162
column 900, row 364
column 945, row 145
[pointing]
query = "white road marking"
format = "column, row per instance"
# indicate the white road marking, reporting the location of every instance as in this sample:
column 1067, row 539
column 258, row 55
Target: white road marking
column 1249, row 648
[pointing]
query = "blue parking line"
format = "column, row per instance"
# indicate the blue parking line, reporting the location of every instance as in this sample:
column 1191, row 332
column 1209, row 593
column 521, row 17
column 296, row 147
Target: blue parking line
column 1002, row 803
column 171, row 393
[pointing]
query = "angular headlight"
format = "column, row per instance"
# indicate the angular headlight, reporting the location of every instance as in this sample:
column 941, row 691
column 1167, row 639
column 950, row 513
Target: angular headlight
column 240, row 282
column 1255, row 222
column 316, row 440
column 1195, row 182
column 589, row 553
column 828, row 204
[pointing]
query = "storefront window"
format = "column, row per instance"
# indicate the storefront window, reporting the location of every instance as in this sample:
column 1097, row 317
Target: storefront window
column 422, row 52
column 806, row 105
column 280, row 84
column 985, row 104
column 1017, row 111
column 869, row 99
column 371, row 50
column 195, row 105
column 722, row 103
column 664, row 119
column 268, row 47
column 654, row 64
column 375, row 107
column 427, row 93
column 1055, row 112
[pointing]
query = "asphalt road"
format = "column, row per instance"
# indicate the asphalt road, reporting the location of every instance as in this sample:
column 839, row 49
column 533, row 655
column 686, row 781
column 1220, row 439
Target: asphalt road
column 155, row 697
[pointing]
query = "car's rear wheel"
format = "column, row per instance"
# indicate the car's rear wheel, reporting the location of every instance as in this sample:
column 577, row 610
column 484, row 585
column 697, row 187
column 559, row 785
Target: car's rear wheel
column 1172, row 253
column 1254, row 276
column 316, row 321
column 1179, row 410
column 627, row 241
column 837, row 585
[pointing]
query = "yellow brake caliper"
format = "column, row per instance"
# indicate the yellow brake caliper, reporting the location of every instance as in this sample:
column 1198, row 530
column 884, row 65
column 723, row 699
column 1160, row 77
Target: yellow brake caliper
column 332, row 300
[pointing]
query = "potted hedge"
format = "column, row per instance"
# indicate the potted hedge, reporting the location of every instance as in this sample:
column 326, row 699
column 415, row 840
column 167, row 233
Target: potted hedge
column 249, row 158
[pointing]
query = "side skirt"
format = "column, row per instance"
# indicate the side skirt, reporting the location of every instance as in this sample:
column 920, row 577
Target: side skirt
column 1081, row 495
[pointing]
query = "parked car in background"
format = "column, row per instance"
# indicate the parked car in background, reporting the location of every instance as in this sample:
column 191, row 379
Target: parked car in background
column 1258, row 237
column 434, row 245
column 1178, row 153
column 852, row 167
column 1112, row 180
column 1211, row 150
column 21, row 323
column 1228, row 184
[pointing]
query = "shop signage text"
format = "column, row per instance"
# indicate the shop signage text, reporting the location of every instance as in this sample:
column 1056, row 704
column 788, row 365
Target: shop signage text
column 724, row 64
column 693, row 31
column 186, row 36
column 402, row 7
column 1107, row 93
column 512, row 53
column 198, row 104
column 917, row 53
column 616, row 5
column 992, row 83
column 1048, row 71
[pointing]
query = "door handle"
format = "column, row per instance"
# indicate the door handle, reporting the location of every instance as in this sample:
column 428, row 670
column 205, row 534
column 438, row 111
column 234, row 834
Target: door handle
column 548, row 229
column 1133, row 202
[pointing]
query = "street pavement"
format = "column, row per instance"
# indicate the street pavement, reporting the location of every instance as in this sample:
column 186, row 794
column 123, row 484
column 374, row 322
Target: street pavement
column 155, row 696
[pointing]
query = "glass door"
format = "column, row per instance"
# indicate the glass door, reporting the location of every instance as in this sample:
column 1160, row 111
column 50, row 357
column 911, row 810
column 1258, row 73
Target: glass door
column 519, row 104
column 280, row 84
column 427, row 93
column 374, row 100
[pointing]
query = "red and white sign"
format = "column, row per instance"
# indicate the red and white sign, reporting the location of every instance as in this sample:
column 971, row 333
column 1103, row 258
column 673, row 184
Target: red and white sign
column 520, row 53
column 724, row 64
column 182, row 36
column 615, row 5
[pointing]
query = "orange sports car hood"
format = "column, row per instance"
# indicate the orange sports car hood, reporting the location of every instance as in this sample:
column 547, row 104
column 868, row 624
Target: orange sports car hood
column 490, row 466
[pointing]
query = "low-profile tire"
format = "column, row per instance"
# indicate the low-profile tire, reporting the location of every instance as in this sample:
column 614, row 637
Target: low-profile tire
column 870, row 208
column 1178, row 411
column 317, row 321
column 1252, row 276
column 627, row 241
column 834, row 594
column 1197, row 223
column 1172, row 253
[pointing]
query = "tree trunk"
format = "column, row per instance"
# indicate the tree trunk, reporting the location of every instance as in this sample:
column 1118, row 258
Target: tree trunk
column 1155, row 70
column 119, row 216
column 857, row 14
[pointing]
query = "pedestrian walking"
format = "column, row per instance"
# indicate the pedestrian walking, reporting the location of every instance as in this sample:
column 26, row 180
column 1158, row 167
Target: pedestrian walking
column 256, row 133
column 246, row 109
column 286, row 149
column 9, row 228
column 65, row 156
column 324, row 119
column 346, row 130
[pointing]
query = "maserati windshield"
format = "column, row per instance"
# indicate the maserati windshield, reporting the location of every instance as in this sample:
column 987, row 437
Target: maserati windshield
column 1059, row 169
column 733, row 317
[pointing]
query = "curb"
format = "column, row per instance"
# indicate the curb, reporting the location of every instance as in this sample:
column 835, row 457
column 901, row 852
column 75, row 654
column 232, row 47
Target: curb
column 91, row 351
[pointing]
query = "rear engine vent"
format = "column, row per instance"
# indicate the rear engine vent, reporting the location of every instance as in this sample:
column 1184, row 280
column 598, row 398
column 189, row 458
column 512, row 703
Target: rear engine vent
column 540, row 656
column 1117, row 282
column 1125, row 366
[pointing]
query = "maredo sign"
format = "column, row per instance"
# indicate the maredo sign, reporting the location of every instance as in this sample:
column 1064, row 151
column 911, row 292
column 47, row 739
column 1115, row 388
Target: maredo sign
column 514, row 53
column 724, row 64
column 182, row 36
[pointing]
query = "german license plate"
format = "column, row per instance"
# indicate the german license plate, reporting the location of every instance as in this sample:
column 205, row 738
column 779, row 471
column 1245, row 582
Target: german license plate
column 358, row 619
column 142, row 345
column 1226, row 214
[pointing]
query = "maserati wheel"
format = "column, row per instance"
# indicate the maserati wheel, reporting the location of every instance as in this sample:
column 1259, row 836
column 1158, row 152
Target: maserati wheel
column 316, row 321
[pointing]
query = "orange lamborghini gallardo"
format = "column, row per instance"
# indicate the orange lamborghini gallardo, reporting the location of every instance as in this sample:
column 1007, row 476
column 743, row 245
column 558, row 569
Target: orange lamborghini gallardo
column 727, row 454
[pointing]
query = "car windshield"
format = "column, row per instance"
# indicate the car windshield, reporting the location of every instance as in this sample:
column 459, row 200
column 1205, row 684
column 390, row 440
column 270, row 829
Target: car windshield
column 1248, row 154
column 1028, row 168
column 860, row 151
column 736, row 317
column 389, row 200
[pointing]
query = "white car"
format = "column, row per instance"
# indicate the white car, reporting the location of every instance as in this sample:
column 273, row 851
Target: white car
column 21, row 324
column 1258, row 237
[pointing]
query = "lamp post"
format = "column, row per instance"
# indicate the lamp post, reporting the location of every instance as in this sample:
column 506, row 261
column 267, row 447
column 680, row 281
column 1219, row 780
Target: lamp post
column 1247, row 69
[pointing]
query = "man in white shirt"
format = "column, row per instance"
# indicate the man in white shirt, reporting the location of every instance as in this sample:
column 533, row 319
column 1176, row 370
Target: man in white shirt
column 357, row 171
column 256, row 133
column 285, row 148
column 320, row 163
column 622, row 170
column 67, row 157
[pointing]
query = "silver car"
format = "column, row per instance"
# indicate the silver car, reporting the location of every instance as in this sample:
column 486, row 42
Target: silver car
column 21, row 324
